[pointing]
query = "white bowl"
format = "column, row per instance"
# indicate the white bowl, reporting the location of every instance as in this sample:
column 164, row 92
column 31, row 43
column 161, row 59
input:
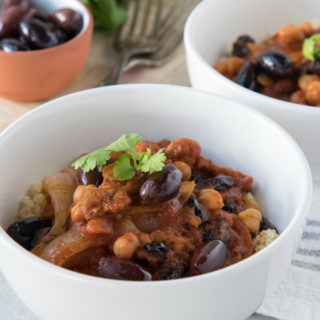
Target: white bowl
column 50, row 137
column 210, row 31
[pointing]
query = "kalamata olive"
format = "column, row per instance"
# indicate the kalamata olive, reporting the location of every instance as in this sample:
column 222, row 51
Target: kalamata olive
column 24, row 231
column 247, row 76
column 10, row 19
column 92, row 177
column 194, row 203
column 220, row 182
column 115, row 268
column 12, row 45
column 21, row 3
column 68, row 20
column 240, row 46
column 161, row 186
column 275, row 63
column 157, row 249
column 210, row 257
column 38, row 34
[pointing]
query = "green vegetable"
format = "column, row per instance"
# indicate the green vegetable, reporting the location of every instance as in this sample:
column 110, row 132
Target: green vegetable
column 128, row 163
column 108, row 14
column 311, row 47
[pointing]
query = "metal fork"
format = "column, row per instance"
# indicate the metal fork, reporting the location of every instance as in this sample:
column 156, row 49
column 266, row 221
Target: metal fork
column 164, row 48
column 149, row 28
column 136, row 34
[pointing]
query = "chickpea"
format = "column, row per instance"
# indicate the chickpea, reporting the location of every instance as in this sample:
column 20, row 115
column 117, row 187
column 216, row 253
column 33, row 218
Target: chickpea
column 144, row 238
column 211, row 198
column 290, row 34
column 307, row 28
column 98, row 226
column 252, row 219
column 194, row 221
column 298, row 97
column 306, row 79
column 126, row 245
column 312, row 93
column 186, row 150
column 184, row 168
column 229, row 67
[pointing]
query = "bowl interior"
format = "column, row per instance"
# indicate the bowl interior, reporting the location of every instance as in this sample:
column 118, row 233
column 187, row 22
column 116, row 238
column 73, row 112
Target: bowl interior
column 51, row 137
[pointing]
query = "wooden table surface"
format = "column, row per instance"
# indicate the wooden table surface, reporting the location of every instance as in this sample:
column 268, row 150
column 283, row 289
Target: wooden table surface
column 100, row 61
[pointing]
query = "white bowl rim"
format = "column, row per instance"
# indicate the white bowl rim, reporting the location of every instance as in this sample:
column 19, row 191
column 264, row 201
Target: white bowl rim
column 260, row 98
column 303, row 206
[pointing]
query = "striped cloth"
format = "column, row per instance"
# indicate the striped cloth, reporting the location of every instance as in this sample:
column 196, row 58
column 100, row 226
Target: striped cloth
column 298, row 295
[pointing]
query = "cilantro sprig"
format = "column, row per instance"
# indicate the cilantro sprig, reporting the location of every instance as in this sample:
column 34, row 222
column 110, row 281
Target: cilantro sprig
column 311, row 47
column 128, row 163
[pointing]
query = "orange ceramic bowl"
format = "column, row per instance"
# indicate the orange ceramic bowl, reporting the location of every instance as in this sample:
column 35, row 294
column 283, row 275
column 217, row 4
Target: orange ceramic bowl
column 39, row 74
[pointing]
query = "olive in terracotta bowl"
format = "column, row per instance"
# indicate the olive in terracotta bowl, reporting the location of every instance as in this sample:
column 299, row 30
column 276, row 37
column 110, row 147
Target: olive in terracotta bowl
column 43, row 46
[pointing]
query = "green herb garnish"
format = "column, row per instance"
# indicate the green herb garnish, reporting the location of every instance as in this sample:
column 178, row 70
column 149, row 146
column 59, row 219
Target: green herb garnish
column 107, row 14
column 311, row 47
column 127, row 165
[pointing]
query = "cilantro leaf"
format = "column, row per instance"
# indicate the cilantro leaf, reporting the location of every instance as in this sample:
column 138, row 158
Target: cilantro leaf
column 128, row 163
column 123, row 169
column 311, row 47
column 153, row 163
column 125, row 143
column 93, row 159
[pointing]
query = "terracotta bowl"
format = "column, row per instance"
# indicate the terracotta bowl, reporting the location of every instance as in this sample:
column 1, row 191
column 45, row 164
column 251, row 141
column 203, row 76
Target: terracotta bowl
column 39, row 74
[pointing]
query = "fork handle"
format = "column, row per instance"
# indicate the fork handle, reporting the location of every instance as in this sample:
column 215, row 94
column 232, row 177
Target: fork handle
column 117, row 71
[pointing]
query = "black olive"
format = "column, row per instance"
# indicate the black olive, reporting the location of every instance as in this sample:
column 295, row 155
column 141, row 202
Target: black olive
column 311, row 67
column 193, row 203
column 68, row 20
column 247, row 76
column 21, row 3
column 38, row 34
column 10, row 19
column 240, row 46
column 12, row 45
column 92, row 177
column 275, row 63
column 210, row 257
column 115, row 268
column 221, row 182
column 172, row 273
column 161, row 186
column 265, row 224
column 157, row 249
column 24, row 231
column 197, row 176
column 230, row 206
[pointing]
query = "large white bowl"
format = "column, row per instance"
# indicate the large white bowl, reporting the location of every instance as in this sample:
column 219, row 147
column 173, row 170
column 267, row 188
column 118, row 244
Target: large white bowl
column 50, row 137
column 210, row 31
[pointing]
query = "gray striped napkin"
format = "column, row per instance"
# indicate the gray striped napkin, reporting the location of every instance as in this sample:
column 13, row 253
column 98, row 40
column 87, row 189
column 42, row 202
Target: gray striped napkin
column 297, row 297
